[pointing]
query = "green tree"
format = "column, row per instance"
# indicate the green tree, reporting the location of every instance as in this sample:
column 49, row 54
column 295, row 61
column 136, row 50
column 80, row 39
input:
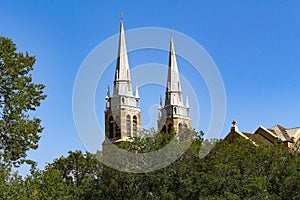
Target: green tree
column 19, row 95
column 45, row 184
column 230, row 171
column 78, row 171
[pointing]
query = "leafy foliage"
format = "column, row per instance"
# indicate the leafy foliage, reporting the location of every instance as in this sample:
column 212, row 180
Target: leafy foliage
column 18, row 96
column 229, row 171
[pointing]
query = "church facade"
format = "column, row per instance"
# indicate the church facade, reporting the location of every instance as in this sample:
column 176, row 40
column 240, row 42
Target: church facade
column 122, row 112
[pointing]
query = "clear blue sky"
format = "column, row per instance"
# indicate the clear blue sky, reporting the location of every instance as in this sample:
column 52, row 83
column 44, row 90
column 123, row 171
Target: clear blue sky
column 255, row 44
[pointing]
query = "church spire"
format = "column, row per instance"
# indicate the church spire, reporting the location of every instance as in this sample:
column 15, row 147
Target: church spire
column 108, row 92
column 174, row 114
column 187, row 104
column 173, row 90
column 137, row 96
column 122, row 83
column 122, row 113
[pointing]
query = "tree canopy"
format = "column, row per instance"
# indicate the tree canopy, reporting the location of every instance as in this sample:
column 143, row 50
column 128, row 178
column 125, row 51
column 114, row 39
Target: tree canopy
column 229, row 171
column 19, row 132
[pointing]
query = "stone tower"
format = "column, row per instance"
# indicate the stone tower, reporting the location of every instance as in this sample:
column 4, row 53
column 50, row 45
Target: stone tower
column 122, row 113
column 174, row 114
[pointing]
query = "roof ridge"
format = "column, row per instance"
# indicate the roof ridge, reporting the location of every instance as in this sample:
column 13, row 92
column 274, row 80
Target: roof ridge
column 293, row 128
column 278, row 126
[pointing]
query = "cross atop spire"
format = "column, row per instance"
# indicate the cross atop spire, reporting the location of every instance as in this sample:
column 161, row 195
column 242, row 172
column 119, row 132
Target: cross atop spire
column 121, row 16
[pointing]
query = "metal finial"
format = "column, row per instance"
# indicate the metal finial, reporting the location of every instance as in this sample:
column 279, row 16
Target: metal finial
column 121, row 15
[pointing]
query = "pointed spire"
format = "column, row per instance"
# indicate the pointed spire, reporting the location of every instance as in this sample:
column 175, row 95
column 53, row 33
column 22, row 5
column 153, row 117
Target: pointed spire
column 174, row 109
column 108, row 92
column 122, row 83
column 173, row 91
column 172, row 56
column 137, row 96
column 160, row 103
column 187, row 103
column 122, row 67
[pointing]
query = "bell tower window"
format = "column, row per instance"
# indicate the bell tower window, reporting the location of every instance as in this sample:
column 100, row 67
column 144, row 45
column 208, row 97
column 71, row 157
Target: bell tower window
column 111, row 127
column 170, row 128
column 134, row 126
column 128, row 126
column 118, row 127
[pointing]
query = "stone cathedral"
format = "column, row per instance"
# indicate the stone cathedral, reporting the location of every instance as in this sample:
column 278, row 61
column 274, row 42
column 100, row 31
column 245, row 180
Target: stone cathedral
column 123, row 114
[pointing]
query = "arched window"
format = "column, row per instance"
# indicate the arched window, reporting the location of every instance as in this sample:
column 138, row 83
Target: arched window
column 180, row 126
column 170, row 128
column 128, row 126
column 185, row 125
column 175, row 110
column 137, row 103
column 118, row 127
column 159, row 113
column 164, row 129
column 111, row 127
column 134, row 126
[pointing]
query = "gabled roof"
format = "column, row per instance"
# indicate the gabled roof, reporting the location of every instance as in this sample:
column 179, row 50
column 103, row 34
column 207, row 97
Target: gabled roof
column 258, row 138
column 280, row 132
column 268, row 131
column 236, row 132
column 293, row 132
column 263, row 135
column 285, row 134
